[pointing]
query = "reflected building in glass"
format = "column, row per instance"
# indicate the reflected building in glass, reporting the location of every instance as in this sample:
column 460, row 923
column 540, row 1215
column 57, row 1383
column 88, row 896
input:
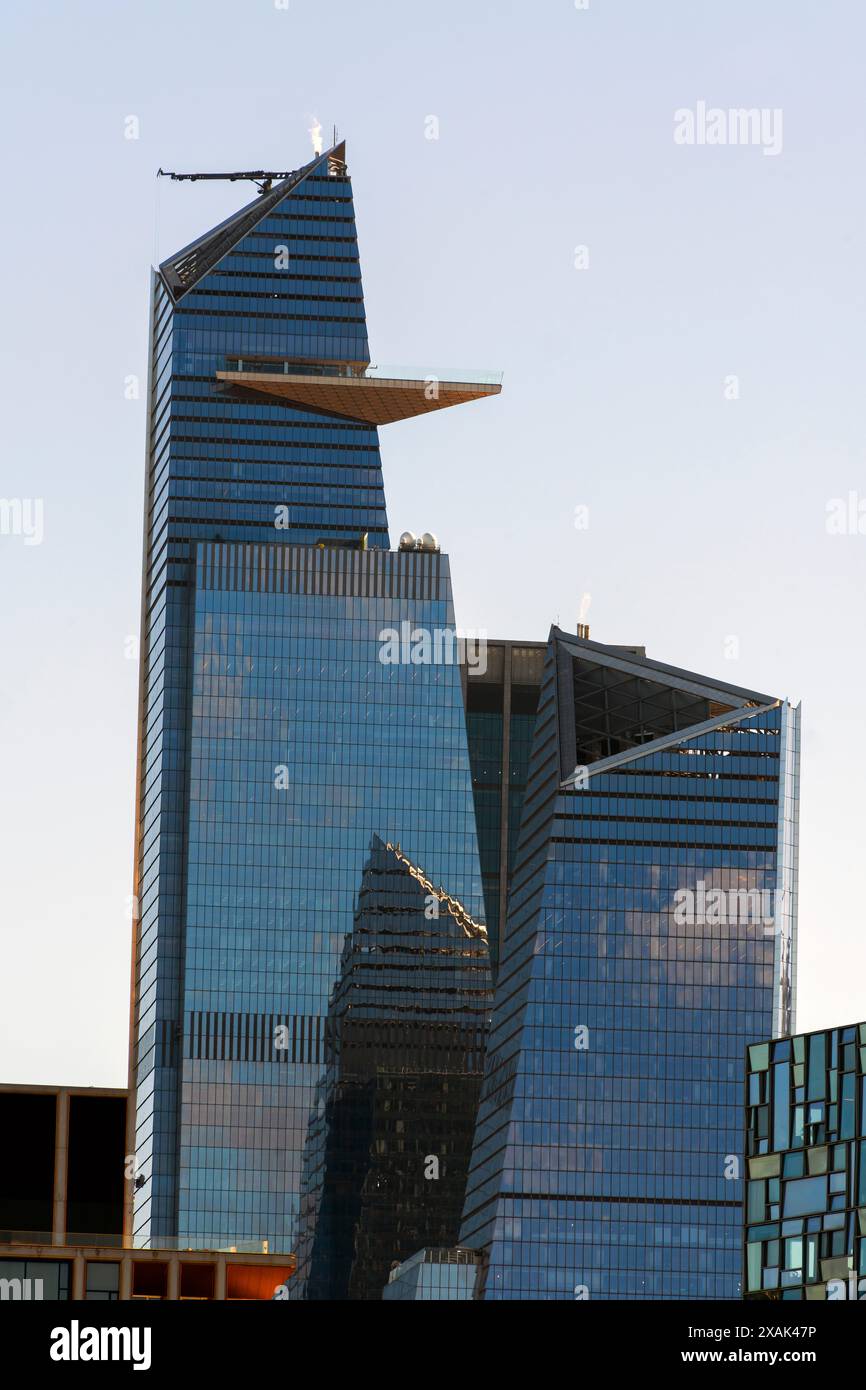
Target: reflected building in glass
column 391, row 1129
column 650, row 938
column 805, row 1215
column 287, row 713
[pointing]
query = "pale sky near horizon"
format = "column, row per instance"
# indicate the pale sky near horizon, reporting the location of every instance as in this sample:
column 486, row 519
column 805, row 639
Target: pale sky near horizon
column 708, row 499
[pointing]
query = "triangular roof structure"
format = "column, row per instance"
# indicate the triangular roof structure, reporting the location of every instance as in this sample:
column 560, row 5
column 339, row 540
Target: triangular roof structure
column 187, row 267
column 615, row 703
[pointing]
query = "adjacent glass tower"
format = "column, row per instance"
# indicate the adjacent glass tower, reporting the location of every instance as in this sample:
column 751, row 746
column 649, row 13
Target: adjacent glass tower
column 650, row 937
column 278, row 733
column 501, row 703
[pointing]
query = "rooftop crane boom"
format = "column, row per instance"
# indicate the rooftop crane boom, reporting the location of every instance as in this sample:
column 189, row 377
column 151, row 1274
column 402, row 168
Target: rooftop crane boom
column 263, row 177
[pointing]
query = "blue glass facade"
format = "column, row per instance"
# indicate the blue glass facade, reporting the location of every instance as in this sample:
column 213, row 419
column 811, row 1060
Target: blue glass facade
column 650, row 938
column 274, row 740
column 302, row 745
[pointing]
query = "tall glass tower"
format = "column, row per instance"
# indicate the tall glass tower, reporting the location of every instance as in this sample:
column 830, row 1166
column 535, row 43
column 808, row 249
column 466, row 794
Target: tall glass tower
column 650, row 938
column 278, row 733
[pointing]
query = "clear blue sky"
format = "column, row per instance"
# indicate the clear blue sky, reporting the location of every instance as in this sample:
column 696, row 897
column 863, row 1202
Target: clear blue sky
column 707, row 515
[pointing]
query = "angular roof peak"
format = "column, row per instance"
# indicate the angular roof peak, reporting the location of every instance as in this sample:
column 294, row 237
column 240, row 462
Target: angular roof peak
column 615, row 704
column 635, row 662
column 183, row 271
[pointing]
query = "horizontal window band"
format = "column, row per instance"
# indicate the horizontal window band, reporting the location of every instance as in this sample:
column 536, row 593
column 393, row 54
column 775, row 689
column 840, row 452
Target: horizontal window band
column 606, row 1201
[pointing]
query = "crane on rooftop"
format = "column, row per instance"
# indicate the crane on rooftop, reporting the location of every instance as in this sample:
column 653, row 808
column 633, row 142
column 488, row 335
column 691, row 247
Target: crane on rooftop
column 265, row 178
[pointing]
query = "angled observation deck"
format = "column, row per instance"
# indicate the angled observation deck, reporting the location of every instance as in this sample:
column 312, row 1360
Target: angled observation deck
column 353, row 391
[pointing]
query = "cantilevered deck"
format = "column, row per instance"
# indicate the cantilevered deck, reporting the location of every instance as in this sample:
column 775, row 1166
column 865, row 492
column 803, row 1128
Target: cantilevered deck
column 374, row 395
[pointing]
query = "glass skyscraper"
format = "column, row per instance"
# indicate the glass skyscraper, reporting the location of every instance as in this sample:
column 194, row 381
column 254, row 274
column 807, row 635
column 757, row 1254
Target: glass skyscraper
column 650, row 938
column 278, row 731
column 806, row 1154
column 312, row 977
